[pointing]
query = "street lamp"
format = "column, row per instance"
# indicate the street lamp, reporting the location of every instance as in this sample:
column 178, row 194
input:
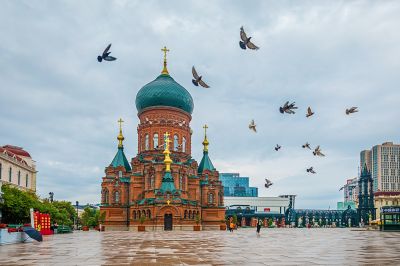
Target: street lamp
column 77, row 214
column 51, row 196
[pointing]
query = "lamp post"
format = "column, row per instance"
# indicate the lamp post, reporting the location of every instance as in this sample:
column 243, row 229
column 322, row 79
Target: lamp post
column 51, row 196
column 77, row 214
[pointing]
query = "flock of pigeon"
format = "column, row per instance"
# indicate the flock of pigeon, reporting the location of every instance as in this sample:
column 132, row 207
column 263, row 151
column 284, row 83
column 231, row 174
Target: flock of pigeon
column 285, row 109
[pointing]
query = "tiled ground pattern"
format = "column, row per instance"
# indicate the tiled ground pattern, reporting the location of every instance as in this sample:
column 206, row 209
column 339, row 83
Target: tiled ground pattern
column 275, row 247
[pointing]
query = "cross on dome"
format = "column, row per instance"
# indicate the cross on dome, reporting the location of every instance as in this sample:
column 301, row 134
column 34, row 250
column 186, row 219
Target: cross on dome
column 165, row 70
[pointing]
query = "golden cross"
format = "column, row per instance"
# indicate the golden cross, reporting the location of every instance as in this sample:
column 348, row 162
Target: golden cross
column 165, row 50
column 205, row 130
column 120, row 121
column 166, row 137
column 168, row 201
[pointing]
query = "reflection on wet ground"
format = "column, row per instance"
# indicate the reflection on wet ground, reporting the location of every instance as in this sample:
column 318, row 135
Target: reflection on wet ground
column 274, row 247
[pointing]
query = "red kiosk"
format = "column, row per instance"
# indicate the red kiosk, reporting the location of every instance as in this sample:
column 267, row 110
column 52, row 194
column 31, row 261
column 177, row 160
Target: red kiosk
column 42, row 223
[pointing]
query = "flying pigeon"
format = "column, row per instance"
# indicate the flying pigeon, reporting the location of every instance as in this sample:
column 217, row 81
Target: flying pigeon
column 197, row 79
column 287, row 108
column 268, row 183
column 106, row 55
column 351, row 110
column 307, row 145
column 246, row 41
column 309, row 112
column 318, row 152
column 252, row 126
column 277, row 147
column 311, row 170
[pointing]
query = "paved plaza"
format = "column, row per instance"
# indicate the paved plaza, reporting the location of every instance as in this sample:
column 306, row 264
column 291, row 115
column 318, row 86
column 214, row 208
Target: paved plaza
column 242, row 247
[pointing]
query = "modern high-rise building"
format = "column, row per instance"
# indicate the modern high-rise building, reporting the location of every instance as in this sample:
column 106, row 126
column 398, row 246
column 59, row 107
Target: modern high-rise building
column 237, row 186
column 384, row 163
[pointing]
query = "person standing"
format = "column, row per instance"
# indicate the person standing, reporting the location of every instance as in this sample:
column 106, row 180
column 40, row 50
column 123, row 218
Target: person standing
column 259, row 224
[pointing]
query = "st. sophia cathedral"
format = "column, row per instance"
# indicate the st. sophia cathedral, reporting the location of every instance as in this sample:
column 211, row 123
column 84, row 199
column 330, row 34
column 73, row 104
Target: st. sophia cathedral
column 163, row 187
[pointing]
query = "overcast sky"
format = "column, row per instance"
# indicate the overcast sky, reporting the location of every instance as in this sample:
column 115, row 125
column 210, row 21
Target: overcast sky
column 62, row 106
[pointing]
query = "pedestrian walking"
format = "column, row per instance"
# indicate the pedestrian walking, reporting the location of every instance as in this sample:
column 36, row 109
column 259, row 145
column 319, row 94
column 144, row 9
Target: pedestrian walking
column 259, row 224
column 231, row 226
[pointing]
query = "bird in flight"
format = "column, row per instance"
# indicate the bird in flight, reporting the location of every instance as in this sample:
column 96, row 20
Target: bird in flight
column 311, row 170
column 309, row 112
column 106, row 55
column 317, row 152
column 307, row 145
column 253, row 125
column 197, row 79
column 288, row 108
column 277, row 148
column 352, row 110
column 268, row 183
column 246, row 41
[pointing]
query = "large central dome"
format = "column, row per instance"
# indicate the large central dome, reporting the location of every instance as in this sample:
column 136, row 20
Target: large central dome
column 164, row 91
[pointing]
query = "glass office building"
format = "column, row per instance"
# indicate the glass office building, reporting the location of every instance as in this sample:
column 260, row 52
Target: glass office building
column 237, row 186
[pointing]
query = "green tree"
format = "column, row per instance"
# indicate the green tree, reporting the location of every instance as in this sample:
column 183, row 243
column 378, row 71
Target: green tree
column 91, row 217
column 17, row 204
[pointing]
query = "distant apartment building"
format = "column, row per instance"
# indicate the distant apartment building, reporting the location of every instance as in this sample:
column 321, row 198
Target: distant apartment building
column 384, row 163
column 237, row 186
column 292, row 199
column 17, row 168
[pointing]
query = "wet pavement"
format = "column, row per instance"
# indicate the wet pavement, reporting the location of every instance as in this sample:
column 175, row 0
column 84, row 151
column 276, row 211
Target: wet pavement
column 286, row 246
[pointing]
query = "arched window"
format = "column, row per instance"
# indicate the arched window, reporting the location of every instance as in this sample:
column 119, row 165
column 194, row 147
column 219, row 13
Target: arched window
column 1, row 168
column 116, row 197
column 152, row 181
column 210, row 198
column 183, row 144
column 190, row 214
column 19, row 178
column 134, row 215
column 26, row 180
column 9, row 175
column 107, row 197
column 148, row 214
column 144, row 213
column 193, row 213
column 155, row 141
column 180, row 183
column 184, row 217
column 221, row 199
column 176, row 144
column 146, row 142
column 120, row 174
column 138, row 214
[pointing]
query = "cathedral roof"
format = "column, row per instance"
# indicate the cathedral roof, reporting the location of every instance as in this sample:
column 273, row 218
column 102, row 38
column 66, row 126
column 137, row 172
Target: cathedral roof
column 167, row 183
column 120, row 160
column 164, row 91
column 205, row 163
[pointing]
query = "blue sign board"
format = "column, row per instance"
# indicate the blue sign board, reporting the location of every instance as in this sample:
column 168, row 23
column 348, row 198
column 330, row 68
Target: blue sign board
column 390, row 209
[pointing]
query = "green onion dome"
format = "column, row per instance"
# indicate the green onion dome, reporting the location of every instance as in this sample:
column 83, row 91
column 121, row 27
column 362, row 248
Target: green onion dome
column 164, row 91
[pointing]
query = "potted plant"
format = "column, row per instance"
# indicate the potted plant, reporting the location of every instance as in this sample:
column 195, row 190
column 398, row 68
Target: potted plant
column 198, row 220
column 141, row 227
column 222, row 226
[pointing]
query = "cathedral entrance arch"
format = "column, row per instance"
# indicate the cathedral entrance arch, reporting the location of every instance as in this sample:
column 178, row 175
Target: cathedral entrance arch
column 168, row 222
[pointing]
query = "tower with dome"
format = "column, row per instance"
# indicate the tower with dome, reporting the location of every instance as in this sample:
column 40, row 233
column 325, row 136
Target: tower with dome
column 163, row 187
